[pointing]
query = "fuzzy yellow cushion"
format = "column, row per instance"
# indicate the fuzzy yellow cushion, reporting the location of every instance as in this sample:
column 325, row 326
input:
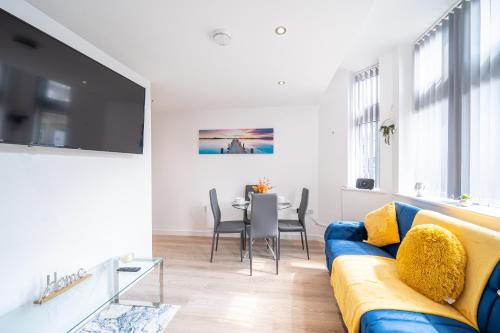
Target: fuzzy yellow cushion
column 382, row 226
column 432, row 261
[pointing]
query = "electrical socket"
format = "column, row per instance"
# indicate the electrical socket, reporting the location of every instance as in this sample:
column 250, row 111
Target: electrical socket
column 310, row 212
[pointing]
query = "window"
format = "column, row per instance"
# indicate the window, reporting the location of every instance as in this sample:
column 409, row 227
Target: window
column 456, row 119
column 58, row 91
column 364, row 126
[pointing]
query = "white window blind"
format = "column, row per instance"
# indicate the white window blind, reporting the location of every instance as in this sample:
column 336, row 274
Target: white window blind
column 456, row 122
column 364, row 126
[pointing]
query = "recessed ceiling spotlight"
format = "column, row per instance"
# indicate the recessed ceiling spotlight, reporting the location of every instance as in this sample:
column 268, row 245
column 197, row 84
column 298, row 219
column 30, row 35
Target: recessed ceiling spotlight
column 221, row 37
column 281, row 83
column 281, row 30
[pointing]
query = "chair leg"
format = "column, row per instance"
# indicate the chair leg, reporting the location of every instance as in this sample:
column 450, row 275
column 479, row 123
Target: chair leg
column 276, row 253
column 217, row 243
column 241, row 246
column 212, row 253
column 279, row 245
column 307, row 245
column 302, row 240
column 245, row 238
column 250, row 246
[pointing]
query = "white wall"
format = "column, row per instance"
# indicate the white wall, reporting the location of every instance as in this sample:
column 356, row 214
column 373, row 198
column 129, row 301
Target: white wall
column 388, row 93
column 357, row 203
column 336, row 203
column 182, row 177
column 64, row 209
column 333, row 146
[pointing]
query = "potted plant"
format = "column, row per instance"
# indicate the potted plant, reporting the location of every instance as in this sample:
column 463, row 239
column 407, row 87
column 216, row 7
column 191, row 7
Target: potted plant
column 387, row 129
column 465, row 200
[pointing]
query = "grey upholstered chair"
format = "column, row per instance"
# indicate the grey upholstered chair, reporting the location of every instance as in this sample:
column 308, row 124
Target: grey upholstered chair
column 248, row 190
column 246, row 218
column 264, row 223
column 297, row 225
column 227, row 227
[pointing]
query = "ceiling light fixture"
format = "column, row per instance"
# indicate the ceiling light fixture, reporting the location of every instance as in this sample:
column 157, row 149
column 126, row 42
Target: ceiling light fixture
column 281, row 83
column 281, row 30
column 221, row 37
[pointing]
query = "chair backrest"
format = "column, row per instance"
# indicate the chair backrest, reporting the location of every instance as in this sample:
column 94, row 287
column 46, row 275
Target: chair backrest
column 248, row 190
column 304, row 202
column 214, row 203
column 264, row 219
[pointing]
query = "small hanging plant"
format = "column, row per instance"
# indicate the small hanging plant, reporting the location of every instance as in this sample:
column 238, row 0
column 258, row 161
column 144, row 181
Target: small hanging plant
column 387, row 129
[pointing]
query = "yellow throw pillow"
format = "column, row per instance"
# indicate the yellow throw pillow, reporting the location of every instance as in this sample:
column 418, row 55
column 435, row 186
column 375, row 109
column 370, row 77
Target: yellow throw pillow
column 432, row 261
column 382, row 226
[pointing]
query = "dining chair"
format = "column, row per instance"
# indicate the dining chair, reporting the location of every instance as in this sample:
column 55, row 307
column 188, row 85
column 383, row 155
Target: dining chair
column 297, row 225
column 226, row 227
column 248, row 190
column 264, row 224
column 246, row 218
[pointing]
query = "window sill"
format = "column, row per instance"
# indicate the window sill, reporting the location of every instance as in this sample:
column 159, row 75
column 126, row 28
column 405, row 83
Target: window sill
column 493, row 212
column 354, row 189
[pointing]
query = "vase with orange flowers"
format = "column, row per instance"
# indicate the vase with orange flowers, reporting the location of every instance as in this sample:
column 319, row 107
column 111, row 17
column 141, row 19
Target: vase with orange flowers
column 263, row 186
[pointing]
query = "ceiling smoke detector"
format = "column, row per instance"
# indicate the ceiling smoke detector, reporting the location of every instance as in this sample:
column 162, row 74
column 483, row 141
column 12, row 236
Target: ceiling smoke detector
column 281, row 30
column 221, row 37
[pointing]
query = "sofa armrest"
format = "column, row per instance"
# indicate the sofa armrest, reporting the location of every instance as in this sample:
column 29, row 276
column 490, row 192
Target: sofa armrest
column 346, row 230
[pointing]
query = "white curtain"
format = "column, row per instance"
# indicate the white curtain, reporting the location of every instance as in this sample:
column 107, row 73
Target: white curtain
column 456, row 121
column 429, row 123
column 365, row 121
column 485, row 102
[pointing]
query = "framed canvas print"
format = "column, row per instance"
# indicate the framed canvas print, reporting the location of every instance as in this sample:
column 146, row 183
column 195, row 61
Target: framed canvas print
column 236, row 141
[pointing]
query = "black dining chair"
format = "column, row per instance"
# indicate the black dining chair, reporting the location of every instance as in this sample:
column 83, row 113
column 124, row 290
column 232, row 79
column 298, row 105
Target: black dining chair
column 264, row 223
column 226, row 227
column 297, row 225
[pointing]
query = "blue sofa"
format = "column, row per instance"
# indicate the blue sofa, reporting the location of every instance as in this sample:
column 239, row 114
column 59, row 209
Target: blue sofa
column 345, row 238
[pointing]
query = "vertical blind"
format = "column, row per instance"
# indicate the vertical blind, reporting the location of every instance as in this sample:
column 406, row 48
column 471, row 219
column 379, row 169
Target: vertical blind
column 365, row 120
column 456, row 120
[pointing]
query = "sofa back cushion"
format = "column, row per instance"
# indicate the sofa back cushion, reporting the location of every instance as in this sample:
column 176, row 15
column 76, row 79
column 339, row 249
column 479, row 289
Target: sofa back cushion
column 382, row 226
column 404, row 215
column 482, row 246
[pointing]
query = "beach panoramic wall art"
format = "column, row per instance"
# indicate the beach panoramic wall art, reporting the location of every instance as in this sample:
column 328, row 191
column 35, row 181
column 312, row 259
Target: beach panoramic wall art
column 237, row 141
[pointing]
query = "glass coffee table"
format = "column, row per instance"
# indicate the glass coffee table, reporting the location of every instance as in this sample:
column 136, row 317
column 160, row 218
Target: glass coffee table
column 71, row 310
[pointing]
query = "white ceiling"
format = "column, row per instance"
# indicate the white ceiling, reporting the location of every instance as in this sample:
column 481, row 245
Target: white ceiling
column 167, row 41
column 389, row 23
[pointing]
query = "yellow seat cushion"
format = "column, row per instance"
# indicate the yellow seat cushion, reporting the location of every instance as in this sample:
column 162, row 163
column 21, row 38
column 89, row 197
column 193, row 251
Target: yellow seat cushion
column 364, row 283
column 432, row 261
column 382, row 226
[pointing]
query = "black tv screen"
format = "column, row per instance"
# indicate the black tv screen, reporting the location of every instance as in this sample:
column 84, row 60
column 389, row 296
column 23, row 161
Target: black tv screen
column 52, row 95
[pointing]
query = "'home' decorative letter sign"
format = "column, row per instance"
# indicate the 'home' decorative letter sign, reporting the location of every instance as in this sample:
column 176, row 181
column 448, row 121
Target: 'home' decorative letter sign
column 57, row 287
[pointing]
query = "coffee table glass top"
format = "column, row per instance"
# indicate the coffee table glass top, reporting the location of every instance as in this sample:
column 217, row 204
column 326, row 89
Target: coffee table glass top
column 67, row 311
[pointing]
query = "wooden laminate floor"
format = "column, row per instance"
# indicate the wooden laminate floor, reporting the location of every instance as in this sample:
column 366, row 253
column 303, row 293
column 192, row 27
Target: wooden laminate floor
column 222, row 297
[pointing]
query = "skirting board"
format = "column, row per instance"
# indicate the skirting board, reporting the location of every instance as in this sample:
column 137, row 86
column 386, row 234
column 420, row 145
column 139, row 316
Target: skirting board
column 208, row 233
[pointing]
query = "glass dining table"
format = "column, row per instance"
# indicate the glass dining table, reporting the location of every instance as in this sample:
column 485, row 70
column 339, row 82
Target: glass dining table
column 244, row 205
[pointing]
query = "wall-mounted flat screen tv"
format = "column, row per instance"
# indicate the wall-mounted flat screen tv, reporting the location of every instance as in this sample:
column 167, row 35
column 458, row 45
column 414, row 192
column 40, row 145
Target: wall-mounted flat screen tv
column 52, row 95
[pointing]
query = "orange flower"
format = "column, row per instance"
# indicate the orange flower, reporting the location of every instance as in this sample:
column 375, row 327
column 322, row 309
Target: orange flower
column 263, row 186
